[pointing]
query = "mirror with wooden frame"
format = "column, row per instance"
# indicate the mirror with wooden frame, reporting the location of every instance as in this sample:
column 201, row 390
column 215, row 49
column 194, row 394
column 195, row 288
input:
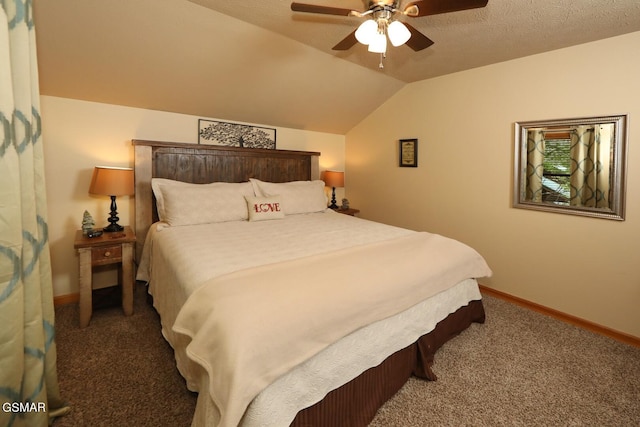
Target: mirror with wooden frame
column 572, row 166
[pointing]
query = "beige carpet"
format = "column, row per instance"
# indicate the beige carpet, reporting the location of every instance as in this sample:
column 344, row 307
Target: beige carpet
column 518, row 369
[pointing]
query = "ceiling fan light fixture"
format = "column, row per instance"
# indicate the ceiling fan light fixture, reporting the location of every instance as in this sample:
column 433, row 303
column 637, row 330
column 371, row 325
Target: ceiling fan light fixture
column 398, row 33
column 378, row 44
column 381, row 14
column 367, row 31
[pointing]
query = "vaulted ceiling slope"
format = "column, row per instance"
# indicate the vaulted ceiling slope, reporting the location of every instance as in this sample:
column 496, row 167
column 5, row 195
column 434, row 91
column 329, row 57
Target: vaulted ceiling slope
column 257, row 61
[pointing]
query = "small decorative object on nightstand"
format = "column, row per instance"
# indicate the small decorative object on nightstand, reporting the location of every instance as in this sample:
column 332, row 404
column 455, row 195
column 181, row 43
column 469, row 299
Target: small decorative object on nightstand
column 108, row 248
column 87, row 223
column 345, row 204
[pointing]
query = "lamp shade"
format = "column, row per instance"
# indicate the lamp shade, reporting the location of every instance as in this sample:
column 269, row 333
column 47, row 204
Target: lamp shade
column 112, row 181
column 366, row 31
column 398, row 33
column 334, row 179
column 378, row 43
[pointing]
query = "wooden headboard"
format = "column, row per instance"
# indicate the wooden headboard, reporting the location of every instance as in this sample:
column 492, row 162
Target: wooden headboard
column 202, row 164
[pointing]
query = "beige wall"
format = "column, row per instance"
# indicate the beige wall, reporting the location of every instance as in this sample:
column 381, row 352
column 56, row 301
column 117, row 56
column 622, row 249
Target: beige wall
column 462, row 188
column 79, row 135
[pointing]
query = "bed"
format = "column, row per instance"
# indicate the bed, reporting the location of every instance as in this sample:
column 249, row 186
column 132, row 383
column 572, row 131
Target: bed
column 288, row 313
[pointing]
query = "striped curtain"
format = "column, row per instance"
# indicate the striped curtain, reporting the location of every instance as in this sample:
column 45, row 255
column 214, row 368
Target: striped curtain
column 29, row 392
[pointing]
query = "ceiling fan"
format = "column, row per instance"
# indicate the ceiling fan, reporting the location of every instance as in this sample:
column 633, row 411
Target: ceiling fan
column 383, row 23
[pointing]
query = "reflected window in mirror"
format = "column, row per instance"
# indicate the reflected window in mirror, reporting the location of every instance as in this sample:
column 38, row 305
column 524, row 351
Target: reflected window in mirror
column 573, row 166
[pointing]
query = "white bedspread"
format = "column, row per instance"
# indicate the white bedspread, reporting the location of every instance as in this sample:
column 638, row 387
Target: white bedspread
column 344, row 360
column 250, row 327
column 183, row 258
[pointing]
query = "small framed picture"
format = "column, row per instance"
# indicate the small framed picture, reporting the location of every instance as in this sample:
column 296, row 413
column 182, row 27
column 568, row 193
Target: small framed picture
column 409, row 153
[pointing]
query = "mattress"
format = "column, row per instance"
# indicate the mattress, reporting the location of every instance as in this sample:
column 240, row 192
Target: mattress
column 178, row 260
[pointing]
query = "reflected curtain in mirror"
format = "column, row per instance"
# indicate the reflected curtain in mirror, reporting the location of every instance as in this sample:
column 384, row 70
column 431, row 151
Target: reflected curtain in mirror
column 590, row 171
column 535, row 159
column 571, row 166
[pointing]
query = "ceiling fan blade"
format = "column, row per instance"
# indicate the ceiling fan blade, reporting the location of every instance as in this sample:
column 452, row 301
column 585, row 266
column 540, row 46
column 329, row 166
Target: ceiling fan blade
column 434, row 7
column 311, row 8
column 418, row 41
column 347, row 43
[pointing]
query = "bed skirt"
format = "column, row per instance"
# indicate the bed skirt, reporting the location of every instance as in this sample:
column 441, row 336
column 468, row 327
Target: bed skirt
column 356, row 402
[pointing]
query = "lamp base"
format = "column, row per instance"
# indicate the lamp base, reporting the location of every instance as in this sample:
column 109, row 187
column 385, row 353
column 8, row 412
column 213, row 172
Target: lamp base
column 113, row 218
column 112, row 228
column 333, row 204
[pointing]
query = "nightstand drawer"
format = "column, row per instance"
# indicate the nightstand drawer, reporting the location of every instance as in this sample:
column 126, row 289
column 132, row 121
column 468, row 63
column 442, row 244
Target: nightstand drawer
column 106, row 255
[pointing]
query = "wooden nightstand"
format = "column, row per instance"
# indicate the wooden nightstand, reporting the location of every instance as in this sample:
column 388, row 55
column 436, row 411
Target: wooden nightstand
column 349, row 211
column 109, row 248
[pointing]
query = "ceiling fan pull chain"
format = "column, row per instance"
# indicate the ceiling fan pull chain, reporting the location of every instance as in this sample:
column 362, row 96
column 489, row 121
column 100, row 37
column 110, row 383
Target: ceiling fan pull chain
column 381, row 65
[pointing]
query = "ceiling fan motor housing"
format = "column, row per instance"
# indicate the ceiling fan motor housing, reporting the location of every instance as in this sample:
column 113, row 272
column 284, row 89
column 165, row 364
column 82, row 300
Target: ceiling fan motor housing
column 392, row 3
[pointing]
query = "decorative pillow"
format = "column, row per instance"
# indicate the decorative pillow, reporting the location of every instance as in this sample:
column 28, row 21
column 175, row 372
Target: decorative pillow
column 182, row 203
column 262, row 208
column 297, row 196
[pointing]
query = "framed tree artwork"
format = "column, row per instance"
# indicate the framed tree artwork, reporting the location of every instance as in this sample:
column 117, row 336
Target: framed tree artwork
column 409, row 153
column 211, row 132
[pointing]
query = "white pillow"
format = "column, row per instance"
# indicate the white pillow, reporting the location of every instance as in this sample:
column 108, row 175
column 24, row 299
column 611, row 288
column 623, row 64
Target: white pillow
column 182, row 203
column 155, row 186
column 297, row 196
column 263, row 208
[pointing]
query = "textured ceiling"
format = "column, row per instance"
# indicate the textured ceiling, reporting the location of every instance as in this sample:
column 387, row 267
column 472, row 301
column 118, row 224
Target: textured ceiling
column 257, row 61
column 503, row 30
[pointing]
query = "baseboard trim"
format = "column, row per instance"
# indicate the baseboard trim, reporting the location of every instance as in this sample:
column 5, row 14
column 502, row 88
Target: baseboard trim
column 567, row 318
column 66, row 299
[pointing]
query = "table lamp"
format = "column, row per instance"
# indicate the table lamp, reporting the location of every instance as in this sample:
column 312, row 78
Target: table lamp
column 333, row 179
column 112, row 181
